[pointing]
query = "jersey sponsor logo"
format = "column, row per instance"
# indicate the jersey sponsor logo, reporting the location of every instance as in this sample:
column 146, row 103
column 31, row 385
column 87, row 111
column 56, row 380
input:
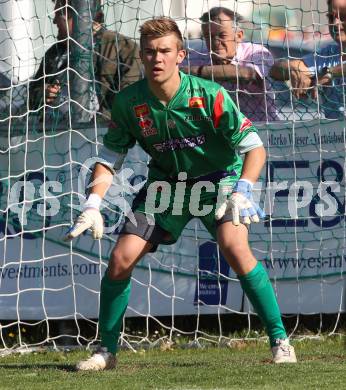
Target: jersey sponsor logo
column 149, row 132
column 246, row 124
column 180, row 143
column 142, row 110
column 197, row 102
column 197, row 118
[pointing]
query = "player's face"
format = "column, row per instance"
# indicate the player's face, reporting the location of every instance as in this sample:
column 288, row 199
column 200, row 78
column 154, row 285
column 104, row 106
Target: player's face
column 63, row 20
column 161, row 57
column 337, row 21
column 222, row 38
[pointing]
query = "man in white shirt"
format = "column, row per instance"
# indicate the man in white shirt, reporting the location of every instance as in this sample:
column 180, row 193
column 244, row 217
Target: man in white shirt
column 241, row 67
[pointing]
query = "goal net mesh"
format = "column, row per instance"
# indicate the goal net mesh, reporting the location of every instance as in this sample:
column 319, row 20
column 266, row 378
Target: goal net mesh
column 183, row 293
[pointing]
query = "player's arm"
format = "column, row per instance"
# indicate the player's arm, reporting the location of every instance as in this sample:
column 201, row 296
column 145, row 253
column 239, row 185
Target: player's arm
column 241, row 204
column 117, row 141
column 101, row 180
column 253, row 163
column 243, row 137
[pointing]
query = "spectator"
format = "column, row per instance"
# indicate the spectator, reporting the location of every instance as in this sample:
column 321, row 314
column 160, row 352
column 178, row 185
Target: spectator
column 116, row 64
column 4, row 81
column 4, row 84
column 241, row 67
column 12, row 93
column 323, row 69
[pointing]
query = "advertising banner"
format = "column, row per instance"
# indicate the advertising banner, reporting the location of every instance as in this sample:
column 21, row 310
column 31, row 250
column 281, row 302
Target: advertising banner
column 301, row 243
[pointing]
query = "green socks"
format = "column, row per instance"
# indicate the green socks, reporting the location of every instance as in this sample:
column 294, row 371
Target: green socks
column 113, row 303
column 260, row 292
column 256, row 284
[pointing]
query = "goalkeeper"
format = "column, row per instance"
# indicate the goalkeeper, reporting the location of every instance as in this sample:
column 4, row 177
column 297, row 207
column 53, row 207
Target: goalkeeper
column 194, row 134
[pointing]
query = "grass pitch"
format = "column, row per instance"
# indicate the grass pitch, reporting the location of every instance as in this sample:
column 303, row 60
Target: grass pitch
column 245, row 366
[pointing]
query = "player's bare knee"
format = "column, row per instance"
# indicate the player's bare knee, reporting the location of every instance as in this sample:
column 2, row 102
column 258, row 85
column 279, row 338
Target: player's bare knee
column 119, row 272
column 236, row 251
column 118, row 268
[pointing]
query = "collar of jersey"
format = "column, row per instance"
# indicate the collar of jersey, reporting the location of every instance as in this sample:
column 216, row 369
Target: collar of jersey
column 177, row 99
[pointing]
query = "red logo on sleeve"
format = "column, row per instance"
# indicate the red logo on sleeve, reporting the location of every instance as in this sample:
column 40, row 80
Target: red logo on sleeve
column 197, row 102
column 246, row 124
column 146, row 123
column 141, row 110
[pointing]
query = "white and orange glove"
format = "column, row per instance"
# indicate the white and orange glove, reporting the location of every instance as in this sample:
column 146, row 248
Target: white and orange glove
column 90, row 218
column 240, row 205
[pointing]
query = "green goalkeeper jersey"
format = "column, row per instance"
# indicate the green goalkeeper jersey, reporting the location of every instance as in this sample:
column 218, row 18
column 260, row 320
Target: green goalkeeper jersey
column 197, row 132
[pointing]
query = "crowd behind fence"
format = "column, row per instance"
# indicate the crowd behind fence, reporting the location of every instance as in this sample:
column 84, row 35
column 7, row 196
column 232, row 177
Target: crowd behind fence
column 266, row 95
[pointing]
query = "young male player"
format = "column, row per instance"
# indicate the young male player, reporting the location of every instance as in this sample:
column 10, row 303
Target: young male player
column 194, row 134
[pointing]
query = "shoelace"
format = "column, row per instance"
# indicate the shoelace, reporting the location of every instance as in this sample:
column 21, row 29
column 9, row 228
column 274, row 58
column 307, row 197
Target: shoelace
column 286, row 349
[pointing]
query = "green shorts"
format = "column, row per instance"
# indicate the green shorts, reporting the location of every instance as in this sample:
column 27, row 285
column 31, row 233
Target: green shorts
column 180, row 211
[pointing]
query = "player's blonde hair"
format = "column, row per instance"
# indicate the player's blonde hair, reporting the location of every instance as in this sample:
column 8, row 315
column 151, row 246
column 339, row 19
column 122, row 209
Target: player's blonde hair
column 159, row 27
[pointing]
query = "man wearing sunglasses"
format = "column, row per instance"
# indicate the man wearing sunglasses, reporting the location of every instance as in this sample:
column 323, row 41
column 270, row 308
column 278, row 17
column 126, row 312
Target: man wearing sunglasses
column 322, row 69
column 241, row 67
column 116, row 65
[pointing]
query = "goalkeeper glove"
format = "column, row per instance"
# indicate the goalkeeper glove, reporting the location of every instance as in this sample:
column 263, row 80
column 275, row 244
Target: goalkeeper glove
column 240, row 204
column 90, row 218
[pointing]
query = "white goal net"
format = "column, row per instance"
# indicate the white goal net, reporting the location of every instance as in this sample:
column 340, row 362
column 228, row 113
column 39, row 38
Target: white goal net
column 49, row 290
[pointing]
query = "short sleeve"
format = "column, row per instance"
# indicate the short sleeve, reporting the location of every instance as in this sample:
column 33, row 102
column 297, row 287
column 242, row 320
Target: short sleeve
column 327, row 56
column 257, row 57
column 118, row 138
column 262, row 62
column 228, row 119
column 310, row 61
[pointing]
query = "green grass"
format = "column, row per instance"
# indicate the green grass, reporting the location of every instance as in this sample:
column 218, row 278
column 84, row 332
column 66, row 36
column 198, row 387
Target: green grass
column 245, row 366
